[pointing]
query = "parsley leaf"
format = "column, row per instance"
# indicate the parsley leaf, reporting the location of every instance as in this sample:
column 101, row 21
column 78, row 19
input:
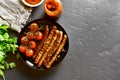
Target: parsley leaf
column 7, row 45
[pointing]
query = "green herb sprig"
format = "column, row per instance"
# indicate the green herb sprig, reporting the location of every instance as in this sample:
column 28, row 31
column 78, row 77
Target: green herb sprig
column 7, row 45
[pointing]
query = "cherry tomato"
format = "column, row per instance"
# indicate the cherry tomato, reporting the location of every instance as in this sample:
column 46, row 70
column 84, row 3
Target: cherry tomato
column 29, row 52
column 24, row 40
column 38, row 35
column 32, row 44
column 34, row 27
column 22, row 48
column 30, row 35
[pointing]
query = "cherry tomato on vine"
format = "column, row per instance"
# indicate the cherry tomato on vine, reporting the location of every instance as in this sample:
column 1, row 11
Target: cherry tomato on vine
column 32, row 44
column 38, row 35
column 29, row 52
column 24, row 40
column 22, row 48
column 34, row 27
column 30, row 35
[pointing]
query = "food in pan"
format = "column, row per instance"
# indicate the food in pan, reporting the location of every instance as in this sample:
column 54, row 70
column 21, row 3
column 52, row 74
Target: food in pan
column 45, row 47
column 28, row 40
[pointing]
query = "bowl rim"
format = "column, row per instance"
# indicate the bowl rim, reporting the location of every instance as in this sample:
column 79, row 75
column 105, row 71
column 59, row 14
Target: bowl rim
column 31, row 5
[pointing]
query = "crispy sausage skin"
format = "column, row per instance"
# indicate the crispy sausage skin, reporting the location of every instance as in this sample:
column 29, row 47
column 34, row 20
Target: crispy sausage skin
column 54, row 47
column 48, row 48
column 57, row 52
column 45, row 46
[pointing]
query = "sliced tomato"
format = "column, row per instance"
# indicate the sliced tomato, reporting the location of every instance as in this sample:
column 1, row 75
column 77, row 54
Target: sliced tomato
column 24, row 40
column 38, row 35
column 29, row 52
column 32, row 44
column 22, row 48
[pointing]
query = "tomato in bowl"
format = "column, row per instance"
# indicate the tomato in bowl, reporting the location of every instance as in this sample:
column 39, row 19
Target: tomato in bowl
column 48, row 47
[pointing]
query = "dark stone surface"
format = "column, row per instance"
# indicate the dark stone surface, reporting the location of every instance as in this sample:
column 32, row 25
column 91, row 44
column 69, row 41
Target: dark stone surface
column 93, row 28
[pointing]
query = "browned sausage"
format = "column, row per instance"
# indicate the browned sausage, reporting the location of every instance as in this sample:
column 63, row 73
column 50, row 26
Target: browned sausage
column 54, row 48
column 48, row 49
column 45, row 46
column 57, row 52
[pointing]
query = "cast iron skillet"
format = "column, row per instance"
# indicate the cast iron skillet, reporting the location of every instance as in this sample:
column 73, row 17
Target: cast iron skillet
column 62, row 54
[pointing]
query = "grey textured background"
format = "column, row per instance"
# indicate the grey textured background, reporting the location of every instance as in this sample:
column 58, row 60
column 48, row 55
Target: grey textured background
column 93, row 27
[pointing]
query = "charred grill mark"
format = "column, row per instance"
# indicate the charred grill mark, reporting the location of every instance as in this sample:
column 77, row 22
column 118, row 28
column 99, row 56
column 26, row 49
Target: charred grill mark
column 54, row 47
column 57, row 52
column 48, row 48
column 45, row 46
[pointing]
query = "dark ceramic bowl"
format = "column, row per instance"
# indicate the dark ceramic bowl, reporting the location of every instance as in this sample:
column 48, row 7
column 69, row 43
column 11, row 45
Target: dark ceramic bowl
column 29, row 61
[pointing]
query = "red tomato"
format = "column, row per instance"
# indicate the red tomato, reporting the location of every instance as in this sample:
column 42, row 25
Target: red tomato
column 30, row 35
column 32, row 44
column 38, row 35
column 22, row 48
column 34, row 27
column 24, row 40
column 29, row 52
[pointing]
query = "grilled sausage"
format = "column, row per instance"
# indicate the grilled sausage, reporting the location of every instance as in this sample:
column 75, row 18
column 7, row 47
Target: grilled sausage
column 57, row 52
column 54, row 48
column 48, row 49
column 45, row 46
